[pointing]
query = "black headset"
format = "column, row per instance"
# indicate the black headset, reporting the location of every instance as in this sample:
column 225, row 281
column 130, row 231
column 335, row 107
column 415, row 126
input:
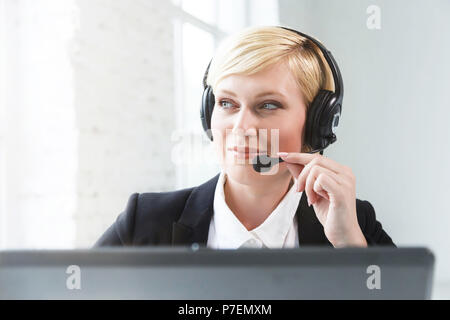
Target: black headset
column 322, row 117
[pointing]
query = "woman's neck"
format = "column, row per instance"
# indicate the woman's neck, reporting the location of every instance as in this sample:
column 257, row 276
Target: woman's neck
column 252, row 204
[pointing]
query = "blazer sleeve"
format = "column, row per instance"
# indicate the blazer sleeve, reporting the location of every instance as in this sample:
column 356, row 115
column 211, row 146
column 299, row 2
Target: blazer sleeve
column 372, row 228
column 120, row 233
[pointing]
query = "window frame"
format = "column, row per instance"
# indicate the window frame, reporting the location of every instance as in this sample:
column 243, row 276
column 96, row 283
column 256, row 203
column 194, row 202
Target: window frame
column 180, row 18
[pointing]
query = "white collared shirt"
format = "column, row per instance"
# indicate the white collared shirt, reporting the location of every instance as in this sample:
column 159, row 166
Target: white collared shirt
column 279, row 230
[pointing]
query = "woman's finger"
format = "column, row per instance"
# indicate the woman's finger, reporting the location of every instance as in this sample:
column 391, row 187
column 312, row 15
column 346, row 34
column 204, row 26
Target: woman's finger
column 321, row 192
column 306, row 158
column 307, row 170
column 311, row 178
column 295, row 157
column 329, row 186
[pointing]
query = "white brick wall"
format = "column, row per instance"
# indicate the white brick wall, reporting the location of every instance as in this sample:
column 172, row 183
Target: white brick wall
column 89, row 113
column 123, row 69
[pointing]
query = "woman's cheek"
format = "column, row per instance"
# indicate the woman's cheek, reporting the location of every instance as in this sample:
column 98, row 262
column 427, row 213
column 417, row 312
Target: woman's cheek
column 219, row 144
column 219, row 147
column 289, row 141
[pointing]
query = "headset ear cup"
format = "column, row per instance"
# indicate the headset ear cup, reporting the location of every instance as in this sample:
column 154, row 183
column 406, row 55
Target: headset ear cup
column 316, row 135
column 311, row 122
column 208, row 101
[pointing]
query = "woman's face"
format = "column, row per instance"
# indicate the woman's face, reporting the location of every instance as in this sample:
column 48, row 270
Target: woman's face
column 247, row 112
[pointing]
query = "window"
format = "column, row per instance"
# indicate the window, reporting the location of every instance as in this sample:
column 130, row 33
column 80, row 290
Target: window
column 199, row 27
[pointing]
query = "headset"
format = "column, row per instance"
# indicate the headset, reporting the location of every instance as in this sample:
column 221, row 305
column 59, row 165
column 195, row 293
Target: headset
column 323, row 114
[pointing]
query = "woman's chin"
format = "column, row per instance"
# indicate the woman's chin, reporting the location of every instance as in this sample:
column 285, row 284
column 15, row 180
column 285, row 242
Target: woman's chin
column 246, row 174
column 242, row 169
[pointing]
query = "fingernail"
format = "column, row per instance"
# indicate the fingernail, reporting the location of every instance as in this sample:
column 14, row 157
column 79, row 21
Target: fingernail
column 282, row 154
column 309, row 204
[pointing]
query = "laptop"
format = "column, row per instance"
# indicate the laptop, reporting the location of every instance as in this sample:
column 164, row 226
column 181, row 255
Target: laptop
column 195, row 272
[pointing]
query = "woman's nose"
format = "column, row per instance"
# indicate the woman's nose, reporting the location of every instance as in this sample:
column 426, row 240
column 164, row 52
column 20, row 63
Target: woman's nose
column 245, row 123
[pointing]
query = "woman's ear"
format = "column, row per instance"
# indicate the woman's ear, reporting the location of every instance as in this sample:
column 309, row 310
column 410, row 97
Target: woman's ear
column 305, row 148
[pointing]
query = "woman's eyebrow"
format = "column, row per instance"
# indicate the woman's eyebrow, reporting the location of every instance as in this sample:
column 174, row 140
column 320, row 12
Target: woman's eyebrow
column 266, row 93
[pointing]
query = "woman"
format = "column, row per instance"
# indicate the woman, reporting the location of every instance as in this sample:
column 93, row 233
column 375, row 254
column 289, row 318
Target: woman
column 262, row 78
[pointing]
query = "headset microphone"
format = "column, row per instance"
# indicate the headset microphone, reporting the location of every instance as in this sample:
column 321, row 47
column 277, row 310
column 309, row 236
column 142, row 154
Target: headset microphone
column 263, row 163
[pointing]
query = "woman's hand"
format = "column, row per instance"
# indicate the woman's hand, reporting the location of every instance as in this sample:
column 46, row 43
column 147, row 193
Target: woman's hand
column 330, row 188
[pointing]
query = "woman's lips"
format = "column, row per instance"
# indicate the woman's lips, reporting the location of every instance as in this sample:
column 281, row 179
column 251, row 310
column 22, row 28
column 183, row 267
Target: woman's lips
column 244, row 153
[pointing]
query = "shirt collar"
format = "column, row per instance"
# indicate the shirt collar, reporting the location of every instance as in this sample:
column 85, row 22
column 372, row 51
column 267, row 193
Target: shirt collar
column 231, row 233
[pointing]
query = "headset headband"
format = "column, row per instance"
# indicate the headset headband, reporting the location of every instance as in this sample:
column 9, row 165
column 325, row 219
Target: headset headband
column 337, row 78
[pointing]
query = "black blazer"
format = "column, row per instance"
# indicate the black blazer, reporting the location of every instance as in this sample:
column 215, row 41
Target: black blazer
column 182, row 217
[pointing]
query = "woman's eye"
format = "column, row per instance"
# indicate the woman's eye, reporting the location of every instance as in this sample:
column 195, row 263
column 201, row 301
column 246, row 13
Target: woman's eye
column 224, row 104
column 221, row 104
column 271, row 106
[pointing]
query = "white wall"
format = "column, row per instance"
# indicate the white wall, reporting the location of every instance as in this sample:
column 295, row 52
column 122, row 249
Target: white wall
column 123, row 69
column 38, row 123
column 394, row 127
column 88, row 116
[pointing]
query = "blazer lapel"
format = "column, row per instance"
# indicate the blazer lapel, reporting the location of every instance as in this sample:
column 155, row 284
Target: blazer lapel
column 310, row 230
column 193, row 225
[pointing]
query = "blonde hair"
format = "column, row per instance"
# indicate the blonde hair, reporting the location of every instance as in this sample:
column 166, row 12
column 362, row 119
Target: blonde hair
column 255, row 48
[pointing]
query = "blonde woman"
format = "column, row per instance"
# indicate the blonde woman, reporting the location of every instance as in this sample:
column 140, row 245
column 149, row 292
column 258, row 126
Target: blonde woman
column 261, row 78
